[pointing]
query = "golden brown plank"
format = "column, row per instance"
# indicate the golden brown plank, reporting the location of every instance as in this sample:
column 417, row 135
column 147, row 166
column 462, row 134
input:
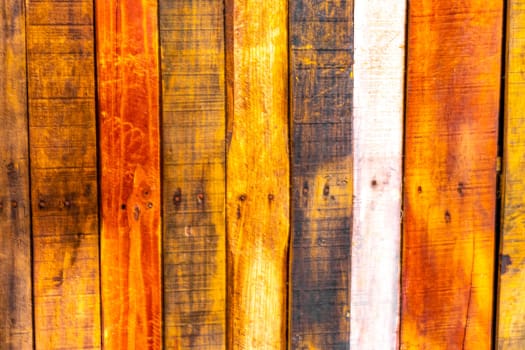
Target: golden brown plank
column 511, row 307
column 321, row 41
column 15, row 235
column 454, row 54
column 63, row 174
column 128, row 91
column 257, row 174
column 192, row 55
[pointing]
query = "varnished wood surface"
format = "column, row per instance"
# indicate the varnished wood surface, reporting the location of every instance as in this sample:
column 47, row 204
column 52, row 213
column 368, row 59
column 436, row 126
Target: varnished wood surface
column 257, row 174
column 16, row 322
column 61, row 91
column 378, row 114
column 511, row 308
column 128, row 101
column 192, row 47
column 321, row 44
column 453, row 78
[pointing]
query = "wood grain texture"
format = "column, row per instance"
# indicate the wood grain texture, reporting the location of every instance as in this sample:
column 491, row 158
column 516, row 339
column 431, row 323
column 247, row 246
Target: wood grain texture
column 61, row 90
column 257, row 174
column 16, row 317
column 378, row 111
column 321, row 46
column 192, row 55
column 454, row 55
column 128, row 91
column 511, row 308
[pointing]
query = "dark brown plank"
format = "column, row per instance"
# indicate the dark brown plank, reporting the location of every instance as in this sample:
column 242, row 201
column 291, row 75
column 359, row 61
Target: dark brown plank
column 192, row 56
column 15, row 235
column 321, row 91
column 62, row 131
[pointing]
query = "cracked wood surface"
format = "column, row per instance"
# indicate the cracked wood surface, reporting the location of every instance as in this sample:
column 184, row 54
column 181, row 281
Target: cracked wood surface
column 454, row 55
column 378, row 115
column 192, row 46
column 16, row 321
column 128, row 97
column 511, row 308
column 257, row 173
column 321, row 49
column 61, row 97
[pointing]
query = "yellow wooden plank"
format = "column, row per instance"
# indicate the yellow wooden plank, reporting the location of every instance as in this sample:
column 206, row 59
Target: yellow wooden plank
column 61, row 91
column 511, row 307
column 16, row 319
column 193, row 98
column 257, row 173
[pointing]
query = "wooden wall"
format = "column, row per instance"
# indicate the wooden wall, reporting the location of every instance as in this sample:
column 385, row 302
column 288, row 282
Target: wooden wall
column 245, row 174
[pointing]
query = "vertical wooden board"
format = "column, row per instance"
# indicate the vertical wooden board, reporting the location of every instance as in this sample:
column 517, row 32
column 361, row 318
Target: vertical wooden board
column 321, row 48
column 257, row 174
column 378, row 106
column 15, row 236
column 128, row 97
column 453, row 77
column 193, row 98
column 61, row 91
column 511, row 308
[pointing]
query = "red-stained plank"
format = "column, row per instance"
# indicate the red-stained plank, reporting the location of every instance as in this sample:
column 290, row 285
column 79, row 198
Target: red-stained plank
column 128, row 92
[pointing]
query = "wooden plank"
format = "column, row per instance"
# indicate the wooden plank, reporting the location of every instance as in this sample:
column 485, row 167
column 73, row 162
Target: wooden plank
column 257, row 174
column 453, row 78
column 128, row 92
column 378, row 112
column 511, row 309
column 16, row 320
column 321, row 48
column 61, row 90
column 194, row 254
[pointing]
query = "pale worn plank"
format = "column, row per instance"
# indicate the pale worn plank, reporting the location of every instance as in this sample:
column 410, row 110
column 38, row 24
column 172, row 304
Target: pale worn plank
column 378, row 111
column 61, row 91
column 16, row 319
column 194, row 116
column 511, row 307
column 257, row 174
column 451, row 135
column 321, row 48
column 128, row 92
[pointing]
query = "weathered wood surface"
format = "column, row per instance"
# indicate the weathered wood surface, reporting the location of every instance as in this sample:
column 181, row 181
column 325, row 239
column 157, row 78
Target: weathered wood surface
column 378, row 115
column 16, row 322
column 511, row 308
column 192, row 48
column 257, row 174
column 128, row 93
column 321, row 40
column 61, row 91
column 454, row 54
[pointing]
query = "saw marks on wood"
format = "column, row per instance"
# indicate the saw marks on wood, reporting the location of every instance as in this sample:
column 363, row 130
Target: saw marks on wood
column 194, row 115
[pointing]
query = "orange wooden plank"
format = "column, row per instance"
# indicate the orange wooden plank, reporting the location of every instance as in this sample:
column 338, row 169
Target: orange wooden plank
column 61, row 91
column 453, row 87
column 16, row 319
column 128, row 92
column 257, row 198
column 193, row 122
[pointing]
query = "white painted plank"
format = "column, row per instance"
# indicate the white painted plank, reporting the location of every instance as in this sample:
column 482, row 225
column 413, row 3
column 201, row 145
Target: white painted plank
column 379, row 39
